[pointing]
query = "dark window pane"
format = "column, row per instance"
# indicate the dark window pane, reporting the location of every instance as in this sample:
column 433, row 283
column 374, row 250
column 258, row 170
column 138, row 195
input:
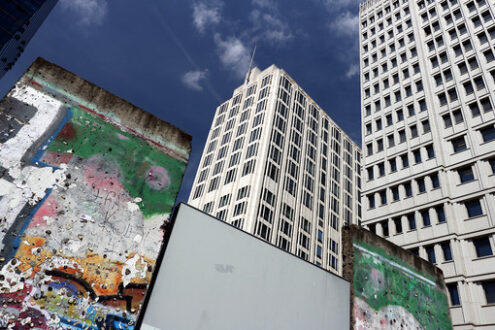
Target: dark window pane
column 473, row 208
column 489, row 288
column 454, row 294
column 430, row 252
column 447, row 253
column 482, row 246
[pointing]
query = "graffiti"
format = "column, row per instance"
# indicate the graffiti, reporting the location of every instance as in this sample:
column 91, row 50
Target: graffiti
column 389, row 294
column 82, row 202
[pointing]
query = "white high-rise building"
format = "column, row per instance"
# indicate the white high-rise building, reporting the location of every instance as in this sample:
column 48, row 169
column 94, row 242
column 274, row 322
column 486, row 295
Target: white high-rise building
column 428, row 92
column 276, row 166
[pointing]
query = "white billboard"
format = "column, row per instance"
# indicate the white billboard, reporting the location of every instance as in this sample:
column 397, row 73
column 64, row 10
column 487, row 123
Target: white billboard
column 215, row 276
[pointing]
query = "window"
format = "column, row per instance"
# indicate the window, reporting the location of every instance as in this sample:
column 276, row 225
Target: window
column 398, row 225
column 371, row 201
column 405, row 161
column 475, row 110
column 447, row 253
column 491, row 161
column 435, row 181
column 486, row 104
column 408, row 189
column 425, row 215
column 385, row 229
column 473, row 208
column 454, row 294
column 459, row 144
column 466, row 174
column 417, row 156
column 412, row 221
column 488, row 133
column 440, row 213
column 430, row 151
column 482, row 246
column 489, row 288
column 430, row 253
column 402, row 136
column 393, row 165
column 421, row 185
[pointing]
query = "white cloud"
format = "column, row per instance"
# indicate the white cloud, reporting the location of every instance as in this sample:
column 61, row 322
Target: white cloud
column 89, row 12
column 352, row 71
column 270, row 4
column 335, row 5
column 345, row 24
column 192, row 79
column 269, row 27
column 206, row 13
column 233, row 54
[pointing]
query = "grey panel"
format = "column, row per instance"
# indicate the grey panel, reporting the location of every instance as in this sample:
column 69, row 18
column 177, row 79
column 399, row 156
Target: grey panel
column 214, row 276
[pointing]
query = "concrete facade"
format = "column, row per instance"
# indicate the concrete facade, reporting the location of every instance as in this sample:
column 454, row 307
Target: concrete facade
column 19, row 21
column 427, row 89
column 87, row 181
column 276, row 166
column 391, row 288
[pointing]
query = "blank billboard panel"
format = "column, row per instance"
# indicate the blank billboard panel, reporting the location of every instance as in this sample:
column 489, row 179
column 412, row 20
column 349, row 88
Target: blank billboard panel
column 215, row 276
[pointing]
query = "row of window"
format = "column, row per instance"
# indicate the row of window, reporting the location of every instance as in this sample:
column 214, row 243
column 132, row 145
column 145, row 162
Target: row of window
column 488, row 289
column 405, row 189
column 418, row 155
column 427, row 216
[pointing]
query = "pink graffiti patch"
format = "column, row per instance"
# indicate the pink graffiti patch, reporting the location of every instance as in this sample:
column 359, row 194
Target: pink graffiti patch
column 102, row 175
column 158, row 178
column 55, row 158
column 47, row 209
column 122, row 137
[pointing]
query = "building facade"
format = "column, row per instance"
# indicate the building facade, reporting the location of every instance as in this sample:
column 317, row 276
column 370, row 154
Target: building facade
column 276, row 166
column 427, row 92
column 19, row 21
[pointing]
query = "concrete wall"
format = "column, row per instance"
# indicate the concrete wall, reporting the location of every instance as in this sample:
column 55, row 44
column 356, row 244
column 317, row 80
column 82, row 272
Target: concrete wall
column 390, row 287
column 86, row 182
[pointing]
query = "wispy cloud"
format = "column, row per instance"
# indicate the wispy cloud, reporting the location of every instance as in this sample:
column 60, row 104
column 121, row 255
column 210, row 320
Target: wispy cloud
column 345, row 23
column 336, row 5
column 88, row 12
column 352, row 71
column 269, row 27
column 206, row 13
column 269, row 4
column 233, row 54
column 193, row 79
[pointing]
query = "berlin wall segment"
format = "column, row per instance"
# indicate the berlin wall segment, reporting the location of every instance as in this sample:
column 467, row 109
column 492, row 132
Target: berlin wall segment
column 86, row 182
column 391, row 288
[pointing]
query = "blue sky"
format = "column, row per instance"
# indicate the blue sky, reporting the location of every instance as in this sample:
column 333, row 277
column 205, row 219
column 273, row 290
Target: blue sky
column 179, row 59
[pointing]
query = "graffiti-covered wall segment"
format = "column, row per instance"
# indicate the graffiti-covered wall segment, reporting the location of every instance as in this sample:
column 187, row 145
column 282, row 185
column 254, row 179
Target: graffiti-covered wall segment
column 86, row 182
column 390, row 287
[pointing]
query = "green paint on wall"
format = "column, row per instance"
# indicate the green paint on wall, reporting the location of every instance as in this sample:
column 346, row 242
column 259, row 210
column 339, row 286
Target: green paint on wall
column 139, row 165
column 384, row 280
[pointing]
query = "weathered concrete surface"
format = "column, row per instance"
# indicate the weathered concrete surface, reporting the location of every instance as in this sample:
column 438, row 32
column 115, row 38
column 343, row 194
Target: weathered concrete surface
column 86, row 182
column 391, row 288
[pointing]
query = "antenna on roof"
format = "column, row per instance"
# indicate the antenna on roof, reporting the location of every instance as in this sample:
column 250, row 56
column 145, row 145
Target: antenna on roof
column 251, row 64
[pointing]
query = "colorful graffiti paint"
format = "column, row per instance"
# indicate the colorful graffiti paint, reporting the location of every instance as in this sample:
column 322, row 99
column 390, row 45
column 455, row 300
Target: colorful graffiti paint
column 390, row 294
column 83, row 200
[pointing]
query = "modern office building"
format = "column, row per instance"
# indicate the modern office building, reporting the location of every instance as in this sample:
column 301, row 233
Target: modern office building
column 19, row 21
column 428, row 92
column 276, row 166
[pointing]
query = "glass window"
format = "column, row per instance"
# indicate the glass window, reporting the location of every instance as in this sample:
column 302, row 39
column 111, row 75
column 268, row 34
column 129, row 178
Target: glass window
column 459, row 144
column 489, row 288
column 440, row 213
column 454, row 294
column 447, row 253
column 430, row 252
column 425, row 214
column 466, row 174
column 435, row 181
column 482, row 246
column 473, row 208
column 412, row 221
column 488, row 133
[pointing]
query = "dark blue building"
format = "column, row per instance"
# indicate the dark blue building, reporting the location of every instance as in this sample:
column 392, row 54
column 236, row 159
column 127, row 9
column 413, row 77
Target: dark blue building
column 19, row 21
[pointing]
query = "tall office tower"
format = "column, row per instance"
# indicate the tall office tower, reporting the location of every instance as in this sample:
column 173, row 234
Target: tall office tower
column 276, row 166
column 19, row 21
column 427, row 84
